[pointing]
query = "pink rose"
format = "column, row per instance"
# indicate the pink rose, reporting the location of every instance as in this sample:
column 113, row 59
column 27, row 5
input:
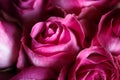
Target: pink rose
column 94, row 63
column 36, row 73
column 109, row 31
column 52, row 42
column 9, row 44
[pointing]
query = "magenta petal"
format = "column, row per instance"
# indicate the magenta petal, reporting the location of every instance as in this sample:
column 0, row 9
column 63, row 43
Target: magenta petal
column 50, row 61
column 71, row 22
column 37, row 29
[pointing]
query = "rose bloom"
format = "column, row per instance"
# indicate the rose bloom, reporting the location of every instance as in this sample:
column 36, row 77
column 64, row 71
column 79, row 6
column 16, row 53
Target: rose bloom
column 94, row 63
column 109, row 31
column 9, row 43
column 52, row 43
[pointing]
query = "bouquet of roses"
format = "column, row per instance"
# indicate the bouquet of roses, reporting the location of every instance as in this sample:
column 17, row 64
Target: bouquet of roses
column 59, row 40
